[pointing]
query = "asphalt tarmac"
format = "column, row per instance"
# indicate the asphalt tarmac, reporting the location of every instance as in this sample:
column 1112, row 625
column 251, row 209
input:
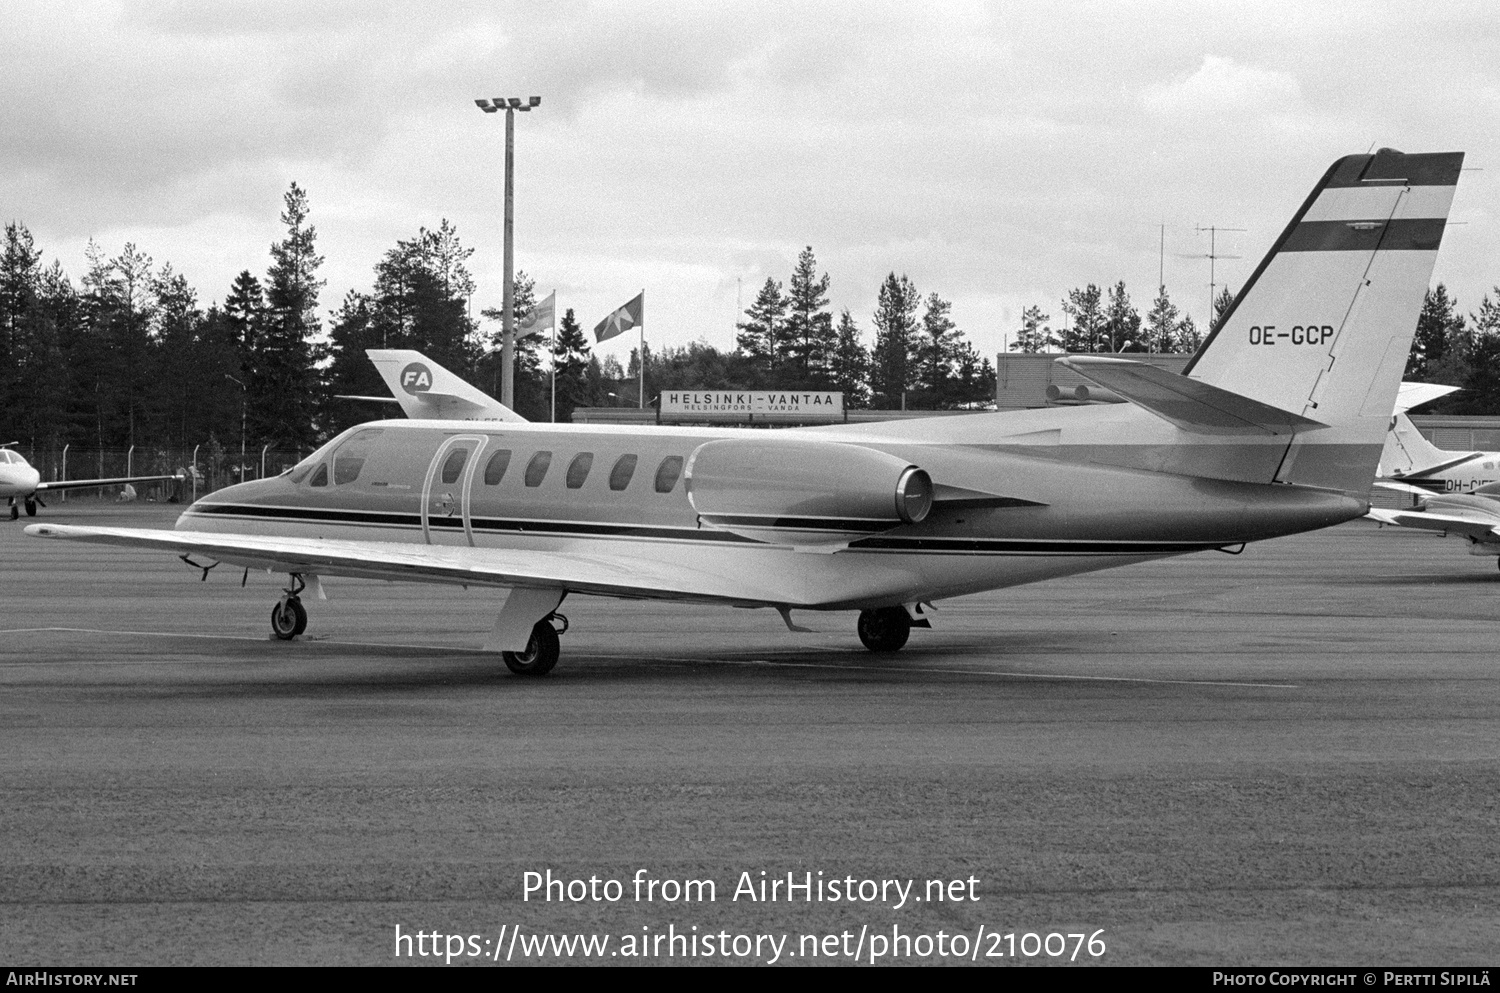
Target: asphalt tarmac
column 1284, row 757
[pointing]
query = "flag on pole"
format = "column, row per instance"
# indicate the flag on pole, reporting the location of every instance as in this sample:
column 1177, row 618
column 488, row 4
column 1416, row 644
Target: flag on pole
column 629, row 316
column 541, row 318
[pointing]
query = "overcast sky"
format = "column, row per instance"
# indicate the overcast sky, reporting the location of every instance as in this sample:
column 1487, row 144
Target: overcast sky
column 997, row 153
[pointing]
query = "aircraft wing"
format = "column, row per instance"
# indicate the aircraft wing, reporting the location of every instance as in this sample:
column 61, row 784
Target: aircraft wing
column 74, row 484
column 1189, row 403
column 605, row 575
column 1469, row 527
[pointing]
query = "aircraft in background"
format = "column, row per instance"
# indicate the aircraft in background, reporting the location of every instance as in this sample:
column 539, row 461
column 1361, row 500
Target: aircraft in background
column 1275, row 427
column 428, row 392
column 1474, row 516
column 19, row 481
column 1419, row 467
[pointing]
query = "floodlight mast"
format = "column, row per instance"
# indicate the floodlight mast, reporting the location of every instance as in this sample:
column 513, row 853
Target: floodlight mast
column 507, row 320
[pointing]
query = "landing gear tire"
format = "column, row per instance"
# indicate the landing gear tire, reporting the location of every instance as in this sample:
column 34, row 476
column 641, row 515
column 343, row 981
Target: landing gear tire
column 541, row 652
column 30, row 508
column 288, row 618
column 884, row 630
column 15, row 511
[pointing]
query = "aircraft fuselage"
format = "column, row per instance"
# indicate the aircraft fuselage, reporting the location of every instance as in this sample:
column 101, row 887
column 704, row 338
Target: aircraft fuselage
column 492, row 488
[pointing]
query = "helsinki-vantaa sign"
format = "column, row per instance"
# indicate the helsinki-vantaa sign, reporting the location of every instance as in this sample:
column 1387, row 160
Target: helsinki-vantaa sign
column 752, row 405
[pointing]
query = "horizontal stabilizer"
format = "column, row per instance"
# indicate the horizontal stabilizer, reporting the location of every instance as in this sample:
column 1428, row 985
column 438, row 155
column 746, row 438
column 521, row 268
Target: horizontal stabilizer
column 1415, row 394
column 1188, row 403
column 1479, row 530
column 1426, row 471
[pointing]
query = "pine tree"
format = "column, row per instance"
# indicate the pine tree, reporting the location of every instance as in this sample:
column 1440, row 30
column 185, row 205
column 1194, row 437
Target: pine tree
column 20, row 270
column 284, row 388
column 571, row 360
column 1085, row 307
column 938, row 351
column 1162, row 323
column 895, row 340
column 809, row 339
column 849, row 368
column 762, row 334
column 1222, row 303
column 1440, row 327
column 1187, row 337
column 1122, row 322
column 1480, row 349
column 1034, row 335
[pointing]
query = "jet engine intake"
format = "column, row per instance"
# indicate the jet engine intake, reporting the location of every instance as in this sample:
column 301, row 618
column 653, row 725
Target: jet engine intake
column 808, row 494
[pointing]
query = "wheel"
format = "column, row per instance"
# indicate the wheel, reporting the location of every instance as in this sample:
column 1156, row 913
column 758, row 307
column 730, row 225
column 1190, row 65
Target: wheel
column 541, row 652
column 884, row 630
column 14, row 510
column 288, row 618
column 30, row 508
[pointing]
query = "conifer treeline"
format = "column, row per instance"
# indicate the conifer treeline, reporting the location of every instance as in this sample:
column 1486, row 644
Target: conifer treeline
column 129, row 357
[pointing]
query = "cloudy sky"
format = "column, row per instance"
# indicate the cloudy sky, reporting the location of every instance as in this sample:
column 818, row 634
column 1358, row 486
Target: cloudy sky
column 997, row 153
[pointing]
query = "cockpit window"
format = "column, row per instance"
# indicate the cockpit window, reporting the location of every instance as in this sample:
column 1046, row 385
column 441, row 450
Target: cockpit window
column 319, row 478
column 298, row 472
column 351, row 455
column 5, row 455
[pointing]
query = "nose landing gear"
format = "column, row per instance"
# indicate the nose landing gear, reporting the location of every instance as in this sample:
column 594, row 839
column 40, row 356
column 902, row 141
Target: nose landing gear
column 289, row 617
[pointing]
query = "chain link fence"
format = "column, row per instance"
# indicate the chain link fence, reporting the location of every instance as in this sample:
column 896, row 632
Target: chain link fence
column 206, row 468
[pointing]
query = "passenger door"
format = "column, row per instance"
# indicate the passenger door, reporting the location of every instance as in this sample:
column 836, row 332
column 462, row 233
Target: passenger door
column 445, row 492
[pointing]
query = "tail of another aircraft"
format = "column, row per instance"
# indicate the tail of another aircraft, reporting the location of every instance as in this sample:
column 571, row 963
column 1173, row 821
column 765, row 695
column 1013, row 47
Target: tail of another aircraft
column 1322, row 329
column 427, row 391
column 1407, row 453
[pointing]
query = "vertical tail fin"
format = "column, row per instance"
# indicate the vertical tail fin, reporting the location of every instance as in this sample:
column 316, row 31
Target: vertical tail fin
column 1407, row 453
column 1323, row 327
column 427, row 391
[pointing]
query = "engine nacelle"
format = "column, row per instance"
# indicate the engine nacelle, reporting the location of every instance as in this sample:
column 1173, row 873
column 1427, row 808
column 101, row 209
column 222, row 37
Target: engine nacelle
column 806, row 493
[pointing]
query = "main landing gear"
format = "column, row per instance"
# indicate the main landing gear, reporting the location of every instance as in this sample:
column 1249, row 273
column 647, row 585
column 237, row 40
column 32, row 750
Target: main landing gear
column 541, row 651
column 884, row 630
column 289, row 617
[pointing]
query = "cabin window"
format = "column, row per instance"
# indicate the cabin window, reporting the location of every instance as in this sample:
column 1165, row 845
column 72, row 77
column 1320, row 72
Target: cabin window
column 349, row 461
column 667, row 473
column 536, row 469
column 578, row 469
column 619, row 476
column 494, row 469
column 319, row 478
column 454, row 467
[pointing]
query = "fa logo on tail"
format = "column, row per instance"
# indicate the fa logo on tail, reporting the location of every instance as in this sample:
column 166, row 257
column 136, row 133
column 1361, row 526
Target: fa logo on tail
column 416, row 378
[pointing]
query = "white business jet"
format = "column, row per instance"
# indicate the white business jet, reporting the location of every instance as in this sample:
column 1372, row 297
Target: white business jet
column 19, row 481
column 1275, row 427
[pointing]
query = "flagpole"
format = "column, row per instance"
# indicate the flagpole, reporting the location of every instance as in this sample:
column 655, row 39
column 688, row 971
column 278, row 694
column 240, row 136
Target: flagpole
column 554, row 358
column 642, row 387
